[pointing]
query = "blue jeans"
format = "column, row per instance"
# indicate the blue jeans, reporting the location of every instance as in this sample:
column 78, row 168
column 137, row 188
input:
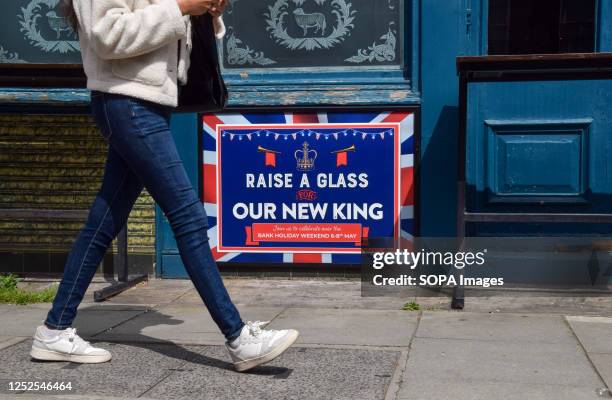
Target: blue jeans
column 142, row 153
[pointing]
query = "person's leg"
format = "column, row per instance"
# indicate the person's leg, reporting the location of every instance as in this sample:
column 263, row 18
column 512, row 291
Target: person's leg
column 141, row 134
column 107, row 216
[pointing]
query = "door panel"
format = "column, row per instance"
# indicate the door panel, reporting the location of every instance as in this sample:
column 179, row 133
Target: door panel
column 540, row 146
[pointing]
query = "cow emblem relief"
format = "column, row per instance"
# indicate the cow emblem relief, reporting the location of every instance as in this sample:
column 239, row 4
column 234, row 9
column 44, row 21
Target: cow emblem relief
column 308, row 29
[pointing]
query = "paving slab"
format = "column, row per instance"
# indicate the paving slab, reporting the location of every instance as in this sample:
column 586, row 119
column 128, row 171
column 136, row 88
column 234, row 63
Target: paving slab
column 508, row 301
column 204, row 372
column 190, row 324
column 7, row 341
column 5, row 308
column 302, row 293
column 301, row 373
column 40, row 306
column 449, row 360
column 132, row 371
column 67, row 397
column 151, row 292
column 469, row 390
column 595, row 333
column 89, row 320
column 23, row 320
column 354, row 327
column 603, row 364
column 92, row 320
column 495, row 327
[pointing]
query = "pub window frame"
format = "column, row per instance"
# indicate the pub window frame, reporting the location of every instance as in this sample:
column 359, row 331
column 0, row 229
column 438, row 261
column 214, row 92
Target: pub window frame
column 406, row 73
column 598, row 32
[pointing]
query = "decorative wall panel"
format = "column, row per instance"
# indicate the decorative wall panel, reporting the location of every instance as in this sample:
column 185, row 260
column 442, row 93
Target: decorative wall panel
column 32, row 31
column 312, row 33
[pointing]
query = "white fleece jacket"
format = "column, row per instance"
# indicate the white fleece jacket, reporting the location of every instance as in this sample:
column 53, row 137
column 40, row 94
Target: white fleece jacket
column 138, row 48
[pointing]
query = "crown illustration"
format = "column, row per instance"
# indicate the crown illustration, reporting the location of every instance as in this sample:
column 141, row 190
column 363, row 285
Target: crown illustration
column 305, row 158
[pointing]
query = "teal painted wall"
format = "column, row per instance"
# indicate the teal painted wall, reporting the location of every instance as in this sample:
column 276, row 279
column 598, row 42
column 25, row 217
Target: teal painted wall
column 444, row 36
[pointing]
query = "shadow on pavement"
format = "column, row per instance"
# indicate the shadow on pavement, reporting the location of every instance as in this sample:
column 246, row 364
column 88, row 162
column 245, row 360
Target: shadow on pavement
column 170, row 349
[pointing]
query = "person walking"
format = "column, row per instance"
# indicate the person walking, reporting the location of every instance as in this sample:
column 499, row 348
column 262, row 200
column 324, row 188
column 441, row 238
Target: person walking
column 135, row 55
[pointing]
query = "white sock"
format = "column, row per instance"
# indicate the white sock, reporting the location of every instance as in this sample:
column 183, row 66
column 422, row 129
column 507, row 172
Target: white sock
column 234, row 343
column 49, row 333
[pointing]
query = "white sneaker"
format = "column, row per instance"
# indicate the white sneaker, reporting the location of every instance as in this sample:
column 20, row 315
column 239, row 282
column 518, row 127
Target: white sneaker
column 256, row 346
column 65, row 345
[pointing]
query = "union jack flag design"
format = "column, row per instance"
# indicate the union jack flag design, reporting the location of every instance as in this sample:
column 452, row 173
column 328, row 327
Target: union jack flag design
column 404, row 221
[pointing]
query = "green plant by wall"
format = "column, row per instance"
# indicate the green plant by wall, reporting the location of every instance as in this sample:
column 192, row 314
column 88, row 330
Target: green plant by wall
column 9, row 281
column 10, row 292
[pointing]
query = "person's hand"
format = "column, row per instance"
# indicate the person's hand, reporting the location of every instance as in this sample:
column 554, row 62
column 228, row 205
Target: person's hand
column 196, row 7
column 218, row 9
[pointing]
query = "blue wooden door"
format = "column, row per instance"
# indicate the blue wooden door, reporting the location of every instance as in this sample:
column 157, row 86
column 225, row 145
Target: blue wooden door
column 540, row 146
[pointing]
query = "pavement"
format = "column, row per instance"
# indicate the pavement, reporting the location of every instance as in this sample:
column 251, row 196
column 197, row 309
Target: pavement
column 165, row 346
